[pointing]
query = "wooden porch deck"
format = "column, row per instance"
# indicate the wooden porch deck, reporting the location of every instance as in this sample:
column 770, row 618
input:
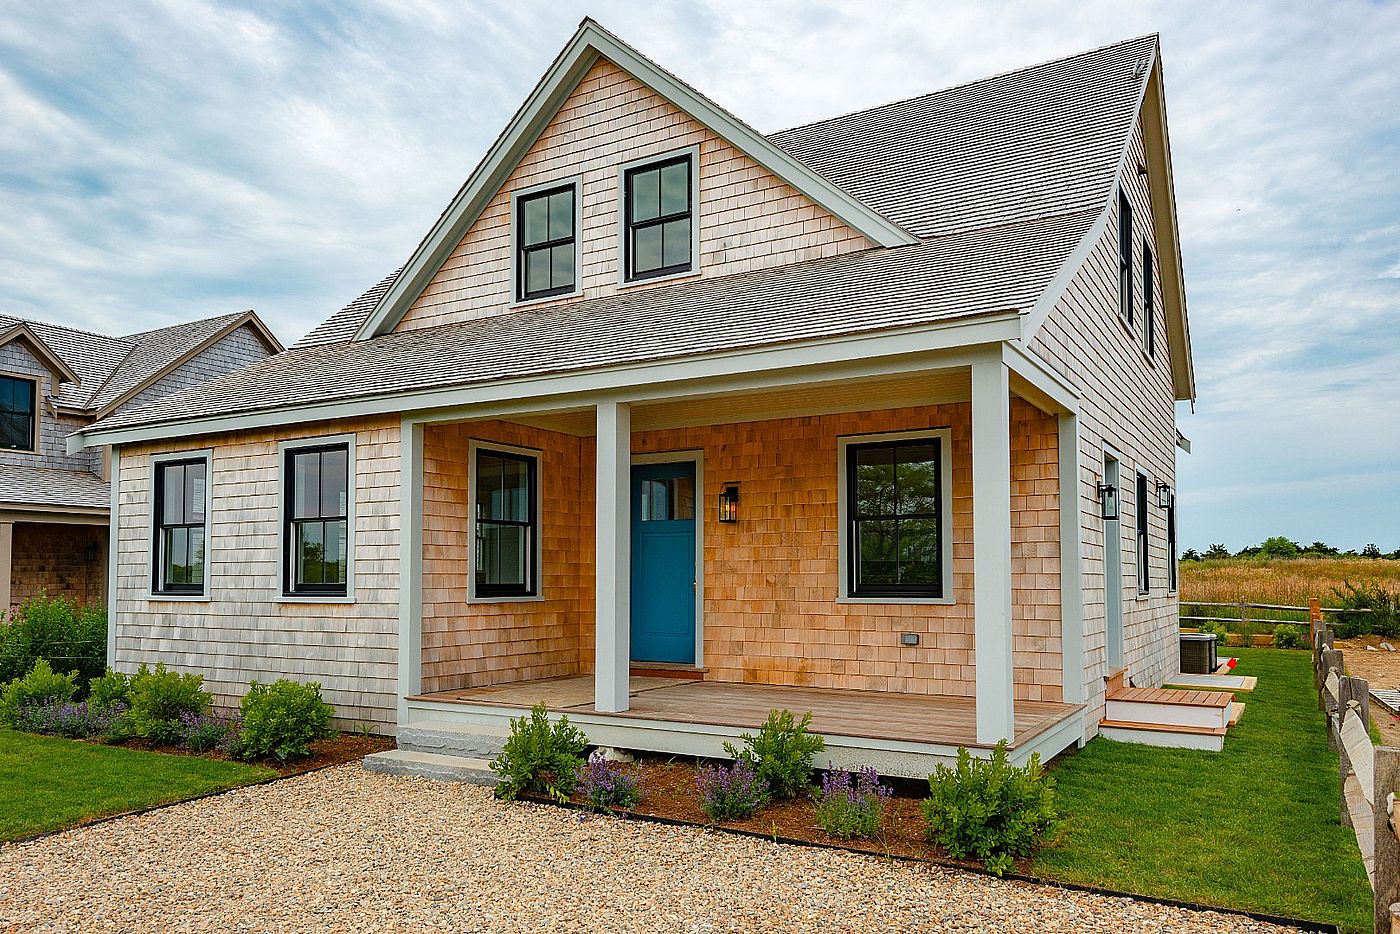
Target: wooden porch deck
column 908, row 718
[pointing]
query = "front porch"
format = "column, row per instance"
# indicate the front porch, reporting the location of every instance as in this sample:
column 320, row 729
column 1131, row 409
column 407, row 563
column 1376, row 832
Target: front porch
column 558, row 553
column 901, row 733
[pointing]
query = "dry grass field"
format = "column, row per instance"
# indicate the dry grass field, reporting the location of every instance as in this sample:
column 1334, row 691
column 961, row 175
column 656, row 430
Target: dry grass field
column 1289, row 582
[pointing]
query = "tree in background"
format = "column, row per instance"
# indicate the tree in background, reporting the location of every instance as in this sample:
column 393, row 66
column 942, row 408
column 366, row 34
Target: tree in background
column 1278, row 547
column 1217, row 552
column 1371, row 551
column 1190, row 554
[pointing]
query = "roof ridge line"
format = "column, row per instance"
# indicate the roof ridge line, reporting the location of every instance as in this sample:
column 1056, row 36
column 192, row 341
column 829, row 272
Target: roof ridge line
column 65, row 327
column 966, row 84
column 184, row 324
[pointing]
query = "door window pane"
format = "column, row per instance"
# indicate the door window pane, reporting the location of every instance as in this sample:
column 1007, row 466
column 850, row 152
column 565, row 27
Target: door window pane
column 667, row 498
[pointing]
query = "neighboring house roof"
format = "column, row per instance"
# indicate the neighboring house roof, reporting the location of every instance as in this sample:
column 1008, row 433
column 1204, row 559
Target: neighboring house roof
column 1006, row 182
column 49, row 486
column 106, row 370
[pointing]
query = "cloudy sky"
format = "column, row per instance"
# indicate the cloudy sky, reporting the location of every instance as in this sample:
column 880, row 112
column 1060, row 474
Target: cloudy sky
column 164, row 161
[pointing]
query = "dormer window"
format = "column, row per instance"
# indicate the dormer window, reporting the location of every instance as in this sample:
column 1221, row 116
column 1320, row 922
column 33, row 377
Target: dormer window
column 18, row 413
column 659, row 218
column 546, row 237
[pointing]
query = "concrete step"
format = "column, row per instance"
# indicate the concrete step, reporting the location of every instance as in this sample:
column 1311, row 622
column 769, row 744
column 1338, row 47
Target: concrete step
column 431, row 765
column 1160, row 734
column 469, row 741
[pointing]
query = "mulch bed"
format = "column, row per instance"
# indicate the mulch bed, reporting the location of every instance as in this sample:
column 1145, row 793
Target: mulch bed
column 338, row 750
column 668, row 792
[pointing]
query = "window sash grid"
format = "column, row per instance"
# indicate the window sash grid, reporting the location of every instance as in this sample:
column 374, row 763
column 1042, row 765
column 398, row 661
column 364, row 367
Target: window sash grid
column 293, row 526
column 524, row 251
column 634, row 226
column 529, row 586
column 856, row 587
column 160, row 583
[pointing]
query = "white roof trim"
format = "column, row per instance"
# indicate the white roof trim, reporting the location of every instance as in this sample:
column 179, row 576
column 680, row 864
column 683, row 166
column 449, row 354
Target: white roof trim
column 588, row 44
column 46, row 355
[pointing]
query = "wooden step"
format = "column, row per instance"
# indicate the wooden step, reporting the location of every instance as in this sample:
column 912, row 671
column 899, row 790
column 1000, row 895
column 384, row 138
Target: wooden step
column 1164, row 727
column 1210, row 739
column 1172, row 696
column 1236, row 711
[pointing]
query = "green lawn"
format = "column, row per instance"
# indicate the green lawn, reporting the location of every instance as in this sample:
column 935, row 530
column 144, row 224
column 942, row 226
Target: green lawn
column 47, row 783
column 1253, row 827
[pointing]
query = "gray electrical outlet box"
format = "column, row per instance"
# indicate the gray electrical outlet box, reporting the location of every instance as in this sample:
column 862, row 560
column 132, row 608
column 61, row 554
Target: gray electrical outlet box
column 908, row 638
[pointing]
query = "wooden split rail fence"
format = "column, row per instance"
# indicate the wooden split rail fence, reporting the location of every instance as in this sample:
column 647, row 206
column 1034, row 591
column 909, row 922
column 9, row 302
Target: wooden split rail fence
column 1370, row 775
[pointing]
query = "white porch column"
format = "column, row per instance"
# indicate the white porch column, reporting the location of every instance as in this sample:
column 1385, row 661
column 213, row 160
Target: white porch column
column 7, row 550
column 1071, row 556
column 613, row 557
column 991, row 554
column 410, row 654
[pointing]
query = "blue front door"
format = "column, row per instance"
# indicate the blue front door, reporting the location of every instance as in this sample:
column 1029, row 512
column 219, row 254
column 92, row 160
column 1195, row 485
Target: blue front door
column 663, row 562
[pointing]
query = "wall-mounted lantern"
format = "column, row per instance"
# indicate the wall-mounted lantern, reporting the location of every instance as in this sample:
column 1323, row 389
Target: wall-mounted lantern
column 1164, row 495
column 90, row 552
column 1108, row 501
column 729, row 503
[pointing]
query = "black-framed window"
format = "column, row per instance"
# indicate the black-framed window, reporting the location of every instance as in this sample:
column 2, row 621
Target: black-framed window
column 317, row 520
column 507, row 526
column 18, row 413
column 1125, row 257
column 659, row 214
column 894, row 511
column 545, row 243
column 181, row 506
column 1149, row 300
column 1171, row 541
column 1144, row 579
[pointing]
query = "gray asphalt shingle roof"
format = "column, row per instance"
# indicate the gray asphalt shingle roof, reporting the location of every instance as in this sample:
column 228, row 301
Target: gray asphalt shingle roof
column 49, row 486
column 1000, row 178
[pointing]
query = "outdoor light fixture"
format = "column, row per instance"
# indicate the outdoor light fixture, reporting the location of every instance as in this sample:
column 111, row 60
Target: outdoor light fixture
column 1108, row 501
column 1164, row 495
column 729, row 503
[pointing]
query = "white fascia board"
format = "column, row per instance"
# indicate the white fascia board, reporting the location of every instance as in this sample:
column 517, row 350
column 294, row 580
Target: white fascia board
column 1055, row 288
column 1058, row 391
column 588, row 44
column 634, row 382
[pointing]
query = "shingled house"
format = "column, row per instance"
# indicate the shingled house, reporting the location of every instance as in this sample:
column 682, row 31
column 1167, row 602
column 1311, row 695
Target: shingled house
column 667, row 423
column 54, row 380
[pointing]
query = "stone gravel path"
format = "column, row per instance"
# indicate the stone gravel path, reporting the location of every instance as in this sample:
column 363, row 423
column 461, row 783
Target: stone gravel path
column 343, row 850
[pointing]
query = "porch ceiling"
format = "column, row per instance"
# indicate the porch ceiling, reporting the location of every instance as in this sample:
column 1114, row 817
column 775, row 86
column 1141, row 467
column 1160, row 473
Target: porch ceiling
column 909, row 718
column 930, row 387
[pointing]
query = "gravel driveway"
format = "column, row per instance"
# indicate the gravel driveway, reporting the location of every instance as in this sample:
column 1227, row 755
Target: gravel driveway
column 343, row 850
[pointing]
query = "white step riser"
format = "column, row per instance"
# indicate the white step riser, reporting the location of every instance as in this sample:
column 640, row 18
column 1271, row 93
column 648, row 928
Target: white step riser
column 1168, row 714
column 1168, row 740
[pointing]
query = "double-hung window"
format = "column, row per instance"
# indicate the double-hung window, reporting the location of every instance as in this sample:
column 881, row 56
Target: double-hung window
column 181, row 509
column 1125, row 258
column 316, row 512
column 1171, row 541
column 546, row 243
column 894, row 518
column 1149, row 301
column 18, row 413
column 1144, row 579
column 659, row 218
column 506, row 525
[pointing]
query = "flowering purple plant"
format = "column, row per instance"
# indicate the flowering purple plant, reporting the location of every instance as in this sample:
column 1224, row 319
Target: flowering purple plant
column 201, row 732
column 730, row 794
column 605, row 784
column 852, row 804
column 64, row 718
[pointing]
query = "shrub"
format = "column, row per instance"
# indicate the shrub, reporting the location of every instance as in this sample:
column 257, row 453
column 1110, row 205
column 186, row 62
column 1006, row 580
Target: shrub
column 989, row 809
column 605, row 784
column 781, row 754
column 68, row 636
column 204, row 732
column 1288, row 636
column 852, row 804
column 1221, row 633
column 282, row 719
column 111, row 690
column 1384, row 606
column 39, row 688
column 63, row 718
column 539, row 757
column 732, row 793
column 159, row 699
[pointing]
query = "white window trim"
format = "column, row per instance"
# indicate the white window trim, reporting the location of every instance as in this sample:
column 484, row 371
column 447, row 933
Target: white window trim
column 694, row 153
column 40, row 391
column 153, row 595
column 283, row 504
column 576, row 182
column 475, row 445
column 944, row 436
column 698, row 458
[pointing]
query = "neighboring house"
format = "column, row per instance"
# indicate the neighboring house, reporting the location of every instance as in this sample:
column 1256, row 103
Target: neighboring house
column 668, row 423
column 54, row 380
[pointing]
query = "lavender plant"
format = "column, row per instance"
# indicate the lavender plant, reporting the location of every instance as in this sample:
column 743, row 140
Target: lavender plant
column 63, row 718
column 852, row 804
column 604, row 784
column 730, row 794
column 204, row 732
